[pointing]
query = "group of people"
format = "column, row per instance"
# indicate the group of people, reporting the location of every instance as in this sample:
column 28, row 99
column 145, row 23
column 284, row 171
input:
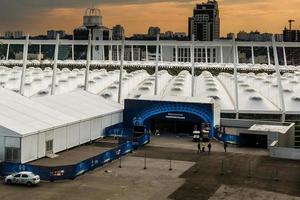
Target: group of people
column 201, row 147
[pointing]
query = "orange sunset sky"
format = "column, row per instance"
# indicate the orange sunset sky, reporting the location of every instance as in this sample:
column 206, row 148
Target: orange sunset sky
column 35, row 17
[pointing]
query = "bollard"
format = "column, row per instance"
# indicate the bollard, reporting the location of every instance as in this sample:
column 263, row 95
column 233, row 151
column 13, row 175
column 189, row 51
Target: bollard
column 120, row 162
column 170, row 169
column 222, row 168
column 249, row 169
column 276, row 177
column 145, row 162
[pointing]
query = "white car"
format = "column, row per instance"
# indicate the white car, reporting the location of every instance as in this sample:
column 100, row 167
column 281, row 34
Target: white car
column 25, row 178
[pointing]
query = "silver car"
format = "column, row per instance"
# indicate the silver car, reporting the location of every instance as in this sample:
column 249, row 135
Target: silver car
column 25, row 178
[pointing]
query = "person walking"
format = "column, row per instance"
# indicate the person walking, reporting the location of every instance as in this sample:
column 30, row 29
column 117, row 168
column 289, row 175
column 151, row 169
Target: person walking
column 209, row 147
column 199, row 147
column 203, row 147
column 225, row 146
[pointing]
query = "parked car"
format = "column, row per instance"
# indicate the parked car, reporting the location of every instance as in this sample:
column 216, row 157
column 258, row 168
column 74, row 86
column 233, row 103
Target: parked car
column 25, row 178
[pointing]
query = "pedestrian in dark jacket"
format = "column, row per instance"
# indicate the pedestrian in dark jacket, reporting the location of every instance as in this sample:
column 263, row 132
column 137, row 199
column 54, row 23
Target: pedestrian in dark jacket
column 199, row 147
column 225, row 146
column 209, row 147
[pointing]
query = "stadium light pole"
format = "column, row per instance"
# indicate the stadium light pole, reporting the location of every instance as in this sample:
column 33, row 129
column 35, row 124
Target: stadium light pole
column 25, row 54
column 7, row 51
column 156, row 66
column 73, row 58
column 192, row 50
column 234, row 53
column 269, row 57
column 284, row 56
column 221, row 53
column 88, row 63
column 252, row 55
column 55, row 65
column 121, row 70
column 279, row 83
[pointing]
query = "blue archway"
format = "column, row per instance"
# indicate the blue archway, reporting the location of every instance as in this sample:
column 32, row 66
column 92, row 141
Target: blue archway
column 203, row 111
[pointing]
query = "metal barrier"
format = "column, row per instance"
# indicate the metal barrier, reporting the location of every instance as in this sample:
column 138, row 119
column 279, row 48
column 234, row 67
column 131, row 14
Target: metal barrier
column 70, row 171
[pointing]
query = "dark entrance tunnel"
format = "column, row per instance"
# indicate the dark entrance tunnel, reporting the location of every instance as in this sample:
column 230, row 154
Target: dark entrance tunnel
column 255, row 141
column 174, row 123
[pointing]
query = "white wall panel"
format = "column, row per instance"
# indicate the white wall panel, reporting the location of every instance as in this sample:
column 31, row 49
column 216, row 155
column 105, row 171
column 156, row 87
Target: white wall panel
column 85, row 132
column 73, row 135
column 42, row 144
column 12, row 142
column 29, row 148
column 96, row 128
column 60, row 142
column 106, row 121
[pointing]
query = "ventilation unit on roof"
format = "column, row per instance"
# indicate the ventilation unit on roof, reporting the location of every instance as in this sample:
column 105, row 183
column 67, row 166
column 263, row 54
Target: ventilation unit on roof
column 244, row 85
column 27, row 84
column 294, row 82
column 144, row 88
column 177, row 89
column 255, row 98
column 288, row 90
column 295, row 98
column 178, row 84
column 113, row 87
column 214, row 97
column 72, row 77
column 62, row 81
column 210, row 84
column 180, row 80
column 104, row 75
column 106, row 95
column 275, row 85
column 148, row 83
column 37, row 79
column 249, row 90
column 13, row 79
column 91, row 81
column 43, row 92
column 212, row 89
column 97, row 78
column 80, row 74
column 267, row 82
column 137, row 96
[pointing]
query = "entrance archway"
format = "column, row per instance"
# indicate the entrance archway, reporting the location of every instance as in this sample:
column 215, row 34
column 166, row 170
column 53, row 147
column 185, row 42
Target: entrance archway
column 204, row 113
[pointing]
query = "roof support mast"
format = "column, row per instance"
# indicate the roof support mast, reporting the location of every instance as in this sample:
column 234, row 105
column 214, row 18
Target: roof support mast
column 279, row 83
column 88, row 63
column 55, row 65
column 121, row 70
column 156, row 66
column 25, row 53
column 193, row 64
column 236, row 89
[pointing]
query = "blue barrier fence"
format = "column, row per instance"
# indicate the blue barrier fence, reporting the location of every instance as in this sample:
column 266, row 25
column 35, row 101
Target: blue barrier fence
column 70, row 171
column 118, row 130
column 231, row 139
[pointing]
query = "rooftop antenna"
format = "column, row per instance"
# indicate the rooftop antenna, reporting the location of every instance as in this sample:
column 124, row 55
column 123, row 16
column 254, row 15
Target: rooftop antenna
column 291, row 21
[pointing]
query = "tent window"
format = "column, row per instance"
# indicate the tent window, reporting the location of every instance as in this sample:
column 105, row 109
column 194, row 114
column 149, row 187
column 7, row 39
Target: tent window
column 12, row 154
column 49, row 146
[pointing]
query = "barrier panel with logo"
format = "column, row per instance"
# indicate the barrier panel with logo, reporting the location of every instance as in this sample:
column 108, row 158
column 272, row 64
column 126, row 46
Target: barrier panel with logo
column 72, row 171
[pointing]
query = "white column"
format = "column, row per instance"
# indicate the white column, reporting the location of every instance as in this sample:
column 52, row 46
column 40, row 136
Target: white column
column 176, row 53
column 55, row 65
column 147, row 53
column 88, row 63
column 156, row 66
column 280, row 91
column 269, row 57
column 252, row 55
column 192, row 48
column 132, row 56
column 221, row 54
column 237, row 54
column 73, row 58
column 25, row 53
column 40, row 52
column 284, row 56
column 118, row 53
column 235, row 58
column 121, row 71
column 7, row 51
column 161, row 53
column 103, row 52
column 206, row 55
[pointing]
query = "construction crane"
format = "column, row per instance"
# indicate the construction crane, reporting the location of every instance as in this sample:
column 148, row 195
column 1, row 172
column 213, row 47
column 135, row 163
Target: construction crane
column 291, row 21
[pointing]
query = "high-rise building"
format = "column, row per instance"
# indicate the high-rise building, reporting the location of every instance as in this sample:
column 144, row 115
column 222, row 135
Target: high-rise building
column 291, row 35
column 153, row 31
column 205, row 22
column 51, row 34
column 118, row 32
column 13, row 34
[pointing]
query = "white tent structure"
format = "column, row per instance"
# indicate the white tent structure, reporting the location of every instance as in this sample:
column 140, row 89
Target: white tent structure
column 32, row 128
